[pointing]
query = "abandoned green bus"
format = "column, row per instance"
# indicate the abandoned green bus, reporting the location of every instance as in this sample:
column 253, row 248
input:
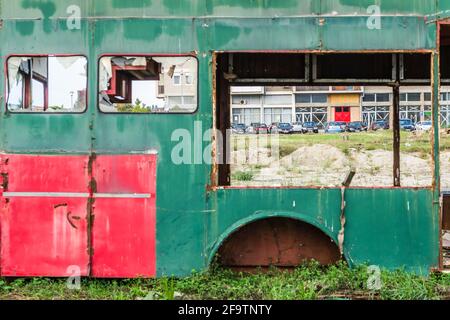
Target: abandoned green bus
column 117, row 136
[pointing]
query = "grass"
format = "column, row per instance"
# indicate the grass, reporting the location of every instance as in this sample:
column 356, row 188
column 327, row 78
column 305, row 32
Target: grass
column 307, row 282
column 379, row 140
column 243, row 176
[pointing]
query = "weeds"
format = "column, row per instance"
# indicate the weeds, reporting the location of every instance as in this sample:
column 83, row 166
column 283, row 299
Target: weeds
column 311, row 281
column 243, row 176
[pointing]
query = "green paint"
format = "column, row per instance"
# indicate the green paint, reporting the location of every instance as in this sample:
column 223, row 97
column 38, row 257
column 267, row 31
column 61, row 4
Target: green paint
column 130, row 3
column 47, row 8
column 25, row 28
column 391, row 228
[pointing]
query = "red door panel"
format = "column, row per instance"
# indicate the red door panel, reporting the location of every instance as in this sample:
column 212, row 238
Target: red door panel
column 125, row 173
column 33, row 173
column 43, row 218
column 44, row 214
column 43, row 237
column 125, row 217
column 124, row 238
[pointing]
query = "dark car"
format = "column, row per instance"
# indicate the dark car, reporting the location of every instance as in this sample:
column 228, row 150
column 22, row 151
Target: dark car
column 310, row 127
column 286, row 128
column 239, row 128
column 407, row 124
column 379, row 125
column 356, row 126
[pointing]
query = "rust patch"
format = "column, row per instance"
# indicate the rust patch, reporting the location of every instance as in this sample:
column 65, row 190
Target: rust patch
column 60, row 205
column 446, row 213
column 278, row 242
column 5, row 181
column 341, row 236
column 396, row 130
column 69, row 219
column 214, row 169
column 90, row 208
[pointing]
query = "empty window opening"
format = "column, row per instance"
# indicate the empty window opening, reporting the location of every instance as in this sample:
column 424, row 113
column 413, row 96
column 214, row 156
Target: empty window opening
column 39, row 84
column 446, row 231
column 445, row 142
column 445, row 107
column 311, row 134
column 148, row 84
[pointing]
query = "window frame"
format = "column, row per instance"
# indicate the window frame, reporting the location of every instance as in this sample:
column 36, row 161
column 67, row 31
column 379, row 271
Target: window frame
column 155, row 55
column 49, row 55
column 188, row 76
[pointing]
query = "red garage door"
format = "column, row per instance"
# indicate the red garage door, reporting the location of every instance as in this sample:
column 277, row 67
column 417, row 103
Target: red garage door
column 47, row 202
column 342, row 114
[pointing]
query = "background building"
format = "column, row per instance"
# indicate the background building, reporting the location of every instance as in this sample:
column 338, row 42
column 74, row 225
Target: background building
column 323, row 104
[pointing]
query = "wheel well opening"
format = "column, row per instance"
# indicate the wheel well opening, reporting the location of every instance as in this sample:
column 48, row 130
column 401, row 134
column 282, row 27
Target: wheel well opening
column 278, row 242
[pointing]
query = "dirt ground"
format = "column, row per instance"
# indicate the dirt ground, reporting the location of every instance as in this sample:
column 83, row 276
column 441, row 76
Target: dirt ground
column 327, row 164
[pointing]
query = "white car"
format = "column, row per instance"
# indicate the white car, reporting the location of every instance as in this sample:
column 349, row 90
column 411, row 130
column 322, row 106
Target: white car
column 297, row 127
column 424, row 125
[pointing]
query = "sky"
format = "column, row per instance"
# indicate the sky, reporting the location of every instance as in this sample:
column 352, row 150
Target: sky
column 63, row 81
column 146, row 92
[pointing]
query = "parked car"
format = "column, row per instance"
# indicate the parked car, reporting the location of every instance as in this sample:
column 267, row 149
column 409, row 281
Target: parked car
column 297, row 127
column 407, row 124
column 356, row 126
column 424, row 125
column 379, row 125
column 310, row 127
column 252, row 127
column 335, row 127
column 239, row 128
column 285, row 128
column 273, row 128
column 258, row 128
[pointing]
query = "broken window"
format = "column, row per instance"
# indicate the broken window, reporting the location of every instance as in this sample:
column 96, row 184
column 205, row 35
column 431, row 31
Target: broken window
column 410, row 112
column 318, row 115
column 445, row 116
column 39, row 84
column 339, row 116
column 148, row 84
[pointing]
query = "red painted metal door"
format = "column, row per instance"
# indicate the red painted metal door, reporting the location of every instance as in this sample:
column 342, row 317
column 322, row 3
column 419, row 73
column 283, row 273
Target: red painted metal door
column 342, row 114
column 47, row 201
column 43, row 219
column 124, row 229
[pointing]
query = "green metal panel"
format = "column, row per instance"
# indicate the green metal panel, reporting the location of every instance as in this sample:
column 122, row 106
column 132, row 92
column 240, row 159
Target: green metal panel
column 443, row 11
column 44, row 132
column 408, row 33
column 392, row 228
column 31, row 9
column 27, row 9
column 389, row 227
column 387, row 7
column 443, row 6
column 264, row 34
